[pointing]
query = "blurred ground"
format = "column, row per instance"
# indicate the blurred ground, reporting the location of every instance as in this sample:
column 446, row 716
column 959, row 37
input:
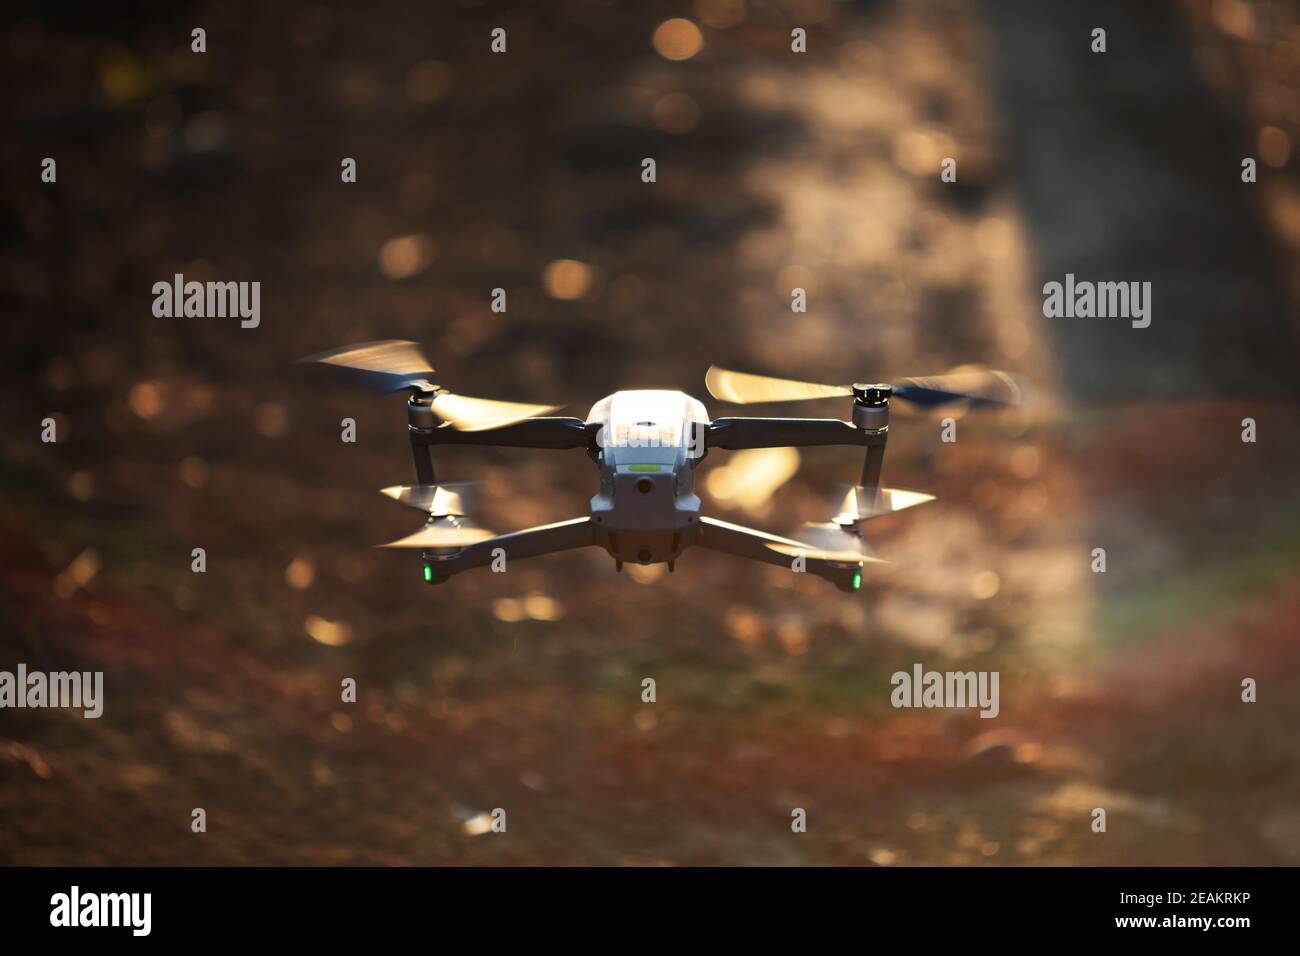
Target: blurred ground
column 1118, row 690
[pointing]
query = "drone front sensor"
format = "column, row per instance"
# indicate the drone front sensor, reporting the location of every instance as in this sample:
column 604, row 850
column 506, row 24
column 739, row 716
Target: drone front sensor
column 646, row 445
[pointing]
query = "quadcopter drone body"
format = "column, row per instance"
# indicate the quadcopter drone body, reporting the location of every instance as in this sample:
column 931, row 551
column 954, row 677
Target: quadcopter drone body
column 646, row 445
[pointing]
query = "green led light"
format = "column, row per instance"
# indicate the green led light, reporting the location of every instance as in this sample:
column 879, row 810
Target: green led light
column 857, row 580
column 428, row 572
column 642, row 467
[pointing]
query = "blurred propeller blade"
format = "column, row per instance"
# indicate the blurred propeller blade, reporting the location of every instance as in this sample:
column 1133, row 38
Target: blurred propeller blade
column 972, row 383
column 481, row 414
column 857, row 503
column 386, row 366
column 827, row 541
column 743, row 388
column 969, row 383
column 808, row 551
column 443, row 532
column 458, row 498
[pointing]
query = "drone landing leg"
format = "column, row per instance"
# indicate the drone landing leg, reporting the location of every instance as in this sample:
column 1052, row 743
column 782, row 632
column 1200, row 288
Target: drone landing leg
column 871, row 470
column 871, row 415
column 424, row 472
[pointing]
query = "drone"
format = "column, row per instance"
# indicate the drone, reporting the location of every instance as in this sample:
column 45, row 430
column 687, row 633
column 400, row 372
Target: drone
column 646, row 444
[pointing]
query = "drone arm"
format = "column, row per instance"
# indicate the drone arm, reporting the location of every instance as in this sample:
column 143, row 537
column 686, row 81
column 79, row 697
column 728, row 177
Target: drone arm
column 529, row 433
column 749, row 543
column 869, row 429
column 529, row 543
column 735, row 433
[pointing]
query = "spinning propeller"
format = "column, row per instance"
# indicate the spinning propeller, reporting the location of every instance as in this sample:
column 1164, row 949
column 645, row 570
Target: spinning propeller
column 841, row 538
column 828, row 542
column 969, row 383
column 448, row 506
column 857, row 504
column 458, row 498
column 392, row 366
